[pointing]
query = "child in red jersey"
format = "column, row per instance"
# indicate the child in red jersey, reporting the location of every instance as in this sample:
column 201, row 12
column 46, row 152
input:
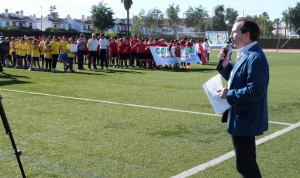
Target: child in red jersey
column 113, row 51
column 177, row 56
column 121, row 52
column 189, row 44
column 149, row 56
column 183, row 45
column 140, row 49
column 133, row 52
column 127, row 51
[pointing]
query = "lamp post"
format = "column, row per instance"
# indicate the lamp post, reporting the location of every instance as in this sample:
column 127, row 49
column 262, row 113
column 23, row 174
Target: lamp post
column 41, row 18
column 264, row 27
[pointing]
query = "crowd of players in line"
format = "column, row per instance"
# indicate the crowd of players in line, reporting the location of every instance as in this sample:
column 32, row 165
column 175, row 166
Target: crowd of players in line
column 44, row 53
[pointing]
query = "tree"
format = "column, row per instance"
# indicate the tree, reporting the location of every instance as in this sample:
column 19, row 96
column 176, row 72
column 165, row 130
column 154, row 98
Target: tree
column 127, row 6
column 230, row 17
column 172, row 16
column 52, row 10
column 267, row 24
column 286, row 19
column 264, row 23
column 154, row 19
column 137, row 26
column 277, row 22
column 219, row 19
column 102, row 17
column 295, row 17
column 196, row 18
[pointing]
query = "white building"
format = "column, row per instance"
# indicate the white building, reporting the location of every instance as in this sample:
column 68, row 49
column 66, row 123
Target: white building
column 120, row 26
column 52, row 21
column 17, row 20
column 82, row 25
column 285, row 32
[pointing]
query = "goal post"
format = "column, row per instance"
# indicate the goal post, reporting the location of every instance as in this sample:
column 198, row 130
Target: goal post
column 199, row 35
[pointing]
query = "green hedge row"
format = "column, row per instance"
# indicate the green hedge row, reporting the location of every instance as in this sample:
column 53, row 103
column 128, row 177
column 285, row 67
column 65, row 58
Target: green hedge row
column 38, row 33
column 265, row 43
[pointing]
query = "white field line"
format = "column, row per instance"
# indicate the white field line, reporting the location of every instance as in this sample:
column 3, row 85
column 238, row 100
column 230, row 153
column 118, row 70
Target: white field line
column 124, row 104
column 280, row 123
column 111, row 102
column 230, row 154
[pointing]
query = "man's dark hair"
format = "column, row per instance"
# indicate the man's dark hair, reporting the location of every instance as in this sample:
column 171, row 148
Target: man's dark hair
column 251, row 26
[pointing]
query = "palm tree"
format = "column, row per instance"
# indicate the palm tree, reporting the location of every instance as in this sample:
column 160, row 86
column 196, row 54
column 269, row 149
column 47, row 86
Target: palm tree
column 127, row 5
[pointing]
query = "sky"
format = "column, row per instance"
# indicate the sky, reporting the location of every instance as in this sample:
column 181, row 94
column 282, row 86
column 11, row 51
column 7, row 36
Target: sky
column 77, row 8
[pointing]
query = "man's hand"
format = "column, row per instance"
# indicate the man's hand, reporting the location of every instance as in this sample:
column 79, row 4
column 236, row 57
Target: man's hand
column 223, row 93
column 225, row 59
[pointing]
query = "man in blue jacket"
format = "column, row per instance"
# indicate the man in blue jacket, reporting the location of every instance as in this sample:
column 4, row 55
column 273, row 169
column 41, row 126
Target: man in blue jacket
column 246, row 92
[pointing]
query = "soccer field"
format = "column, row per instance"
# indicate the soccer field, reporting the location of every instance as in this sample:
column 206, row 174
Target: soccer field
column 140, row 123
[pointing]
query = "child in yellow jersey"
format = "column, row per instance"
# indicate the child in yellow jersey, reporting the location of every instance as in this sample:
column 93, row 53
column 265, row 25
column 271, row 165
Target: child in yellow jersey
column 9, row 60
column 18, row 41
column 64, row 52
column 48, row 56
column 42, row 47
column 71, row 55
column 35, row 55
column 29, row 51
column 21, row 48
column 54, row 45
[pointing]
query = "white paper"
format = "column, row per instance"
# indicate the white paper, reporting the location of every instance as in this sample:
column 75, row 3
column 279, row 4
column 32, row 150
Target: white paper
column 73, row 48
column 211, row 87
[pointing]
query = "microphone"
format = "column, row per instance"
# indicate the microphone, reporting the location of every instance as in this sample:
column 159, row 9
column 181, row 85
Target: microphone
column 225, row 51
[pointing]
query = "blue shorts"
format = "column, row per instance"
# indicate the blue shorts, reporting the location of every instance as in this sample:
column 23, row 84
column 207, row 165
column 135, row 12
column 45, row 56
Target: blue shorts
column 63, row 57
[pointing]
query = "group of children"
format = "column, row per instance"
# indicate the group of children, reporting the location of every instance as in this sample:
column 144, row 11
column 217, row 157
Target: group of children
column 137, row 51
column 28, row 52
column 43, row 54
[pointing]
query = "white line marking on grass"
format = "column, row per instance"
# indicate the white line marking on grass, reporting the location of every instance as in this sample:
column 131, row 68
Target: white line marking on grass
column 57, row 167
column 111, row 102
column 230, row 154
column 124, row 104
column 280, row 123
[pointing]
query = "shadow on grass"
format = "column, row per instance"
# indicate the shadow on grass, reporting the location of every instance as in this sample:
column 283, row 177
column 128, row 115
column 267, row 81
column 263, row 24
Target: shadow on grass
column 100, row 72
column 188, row 70
column 12, row 79
column 127, row 71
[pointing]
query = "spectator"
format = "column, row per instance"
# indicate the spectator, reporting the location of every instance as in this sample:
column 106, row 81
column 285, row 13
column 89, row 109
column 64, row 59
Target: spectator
column 103, row 42
column 80, row 51
column 92, row 45
column 206, row 49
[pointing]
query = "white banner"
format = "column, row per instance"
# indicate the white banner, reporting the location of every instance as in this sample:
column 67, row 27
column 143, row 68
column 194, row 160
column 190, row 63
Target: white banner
column 217, row 38
column 163, row 56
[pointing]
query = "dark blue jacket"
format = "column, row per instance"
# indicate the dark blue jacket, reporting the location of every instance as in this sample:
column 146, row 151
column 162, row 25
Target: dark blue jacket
column 247, row 94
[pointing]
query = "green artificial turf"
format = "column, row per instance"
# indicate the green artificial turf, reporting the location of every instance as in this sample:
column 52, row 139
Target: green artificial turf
column 66, row 127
